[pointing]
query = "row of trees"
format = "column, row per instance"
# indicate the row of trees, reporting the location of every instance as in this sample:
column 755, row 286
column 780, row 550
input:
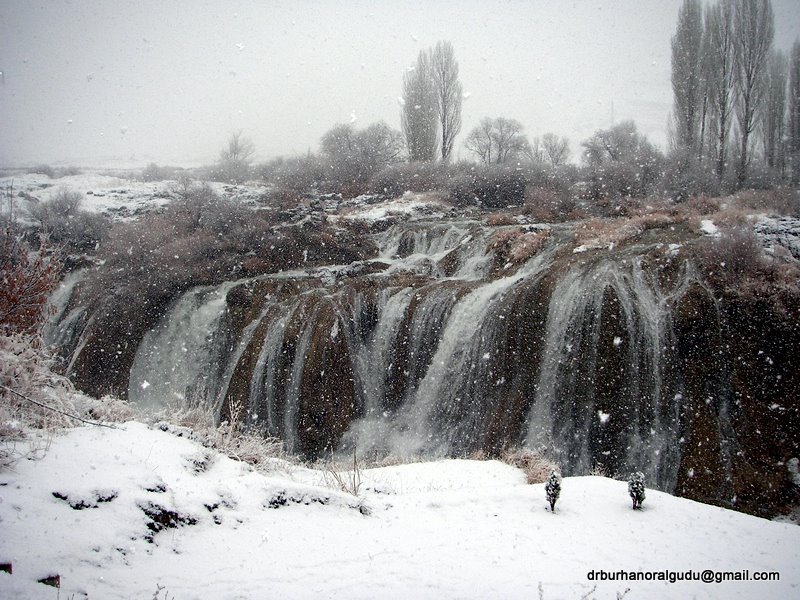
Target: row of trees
column 730, row 89
column 729, row 86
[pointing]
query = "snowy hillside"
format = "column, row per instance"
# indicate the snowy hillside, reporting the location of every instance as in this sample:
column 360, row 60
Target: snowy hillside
column 123, row 513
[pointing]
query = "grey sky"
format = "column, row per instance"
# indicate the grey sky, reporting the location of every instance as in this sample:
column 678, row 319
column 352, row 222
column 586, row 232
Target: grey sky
column 90, row 81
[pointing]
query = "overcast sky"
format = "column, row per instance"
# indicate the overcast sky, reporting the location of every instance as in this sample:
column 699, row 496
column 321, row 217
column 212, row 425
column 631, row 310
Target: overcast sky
column 85, row 82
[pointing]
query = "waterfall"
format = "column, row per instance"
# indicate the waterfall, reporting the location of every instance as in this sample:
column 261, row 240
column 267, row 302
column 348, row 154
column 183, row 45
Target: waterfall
column 263, row 391
column 449, row 342
column 182, row 359
column 446, row 409
column 601, row 399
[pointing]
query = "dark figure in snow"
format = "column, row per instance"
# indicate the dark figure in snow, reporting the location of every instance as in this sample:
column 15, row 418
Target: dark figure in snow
column 553, row 489
column 636, row 489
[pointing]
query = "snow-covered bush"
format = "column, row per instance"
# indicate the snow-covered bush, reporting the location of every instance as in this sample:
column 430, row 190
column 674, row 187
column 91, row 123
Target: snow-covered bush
column 553, row 489
column 636, row 489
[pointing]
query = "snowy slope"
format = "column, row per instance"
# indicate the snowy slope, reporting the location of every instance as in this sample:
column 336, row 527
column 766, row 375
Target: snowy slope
column 452, row 529
column 120, row 198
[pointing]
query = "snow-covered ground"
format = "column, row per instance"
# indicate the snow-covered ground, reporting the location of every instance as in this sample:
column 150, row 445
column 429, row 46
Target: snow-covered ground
column 97, row 510
column 121, row 198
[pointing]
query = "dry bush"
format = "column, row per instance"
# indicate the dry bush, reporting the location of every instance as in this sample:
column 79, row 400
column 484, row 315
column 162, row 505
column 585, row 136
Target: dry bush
column 701, row 205
column 282, row 198
column 347, row 479
column 527, row 245
column 503, row 238
column 536, row 467
column 781, row 200
column 64, row 223
column 653, row 220
column 395, row 180
column 197, row 421
column 497, row 219
column 35, row 402
column 28, row 277
column 492, row 186
column 600, row 233
column 736, row 263
column 546, row 204
column 734, row 255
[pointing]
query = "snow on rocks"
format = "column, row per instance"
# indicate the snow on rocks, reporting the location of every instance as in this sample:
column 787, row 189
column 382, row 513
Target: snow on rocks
column 376, row 208
column 708, row 227
column 780, row 231
column 448, row 529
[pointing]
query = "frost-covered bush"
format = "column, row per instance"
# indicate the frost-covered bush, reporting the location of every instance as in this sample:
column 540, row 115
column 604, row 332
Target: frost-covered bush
column 552, row 489
column 636, row 489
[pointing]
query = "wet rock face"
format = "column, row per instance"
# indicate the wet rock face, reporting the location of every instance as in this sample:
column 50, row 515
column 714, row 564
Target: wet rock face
column 619, row 361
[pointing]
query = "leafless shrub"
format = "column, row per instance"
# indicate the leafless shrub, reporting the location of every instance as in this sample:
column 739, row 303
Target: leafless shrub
column 28, row 277
column 547, row 204
column 64, row 223
column 599, row 233
column 536, row 467
column 500, row 218
column 736, row 254
column 702, row 205
column 493, row 186
column 395, row 180
column 781, row 200
column 348, row 479
column 599, row 470
column 154, row 172
column 229, row 437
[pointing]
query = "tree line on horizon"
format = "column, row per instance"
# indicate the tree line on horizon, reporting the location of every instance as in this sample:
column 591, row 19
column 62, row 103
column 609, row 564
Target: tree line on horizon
column 735, row 123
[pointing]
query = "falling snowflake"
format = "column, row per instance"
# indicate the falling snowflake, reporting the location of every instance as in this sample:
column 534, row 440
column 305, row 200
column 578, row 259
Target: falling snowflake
column 603, row 416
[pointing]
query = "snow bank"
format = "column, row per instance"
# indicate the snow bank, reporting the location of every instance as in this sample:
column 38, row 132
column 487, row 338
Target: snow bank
column 117, row 513
column 407, row 204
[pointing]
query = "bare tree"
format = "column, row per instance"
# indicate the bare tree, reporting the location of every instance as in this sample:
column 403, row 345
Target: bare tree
column 687, row 83
column 556, row 149
column 773, row 122
column 719, row 70
column 754, row 29
column 353, row 156
column 620, row 160
column 235, row 158
column 498, row 140
column 420, row 117
column 535, row 151
column 448, row 95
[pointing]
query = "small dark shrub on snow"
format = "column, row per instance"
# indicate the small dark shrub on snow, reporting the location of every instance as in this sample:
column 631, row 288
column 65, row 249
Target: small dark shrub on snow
column 553, row 489
column 636, row 489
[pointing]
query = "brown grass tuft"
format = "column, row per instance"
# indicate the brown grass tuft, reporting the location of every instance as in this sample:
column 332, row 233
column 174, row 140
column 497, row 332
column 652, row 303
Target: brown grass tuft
column 537, row 468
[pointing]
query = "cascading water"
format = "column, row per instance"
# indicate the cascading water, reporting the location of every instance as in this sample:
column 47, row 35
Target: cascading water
column 446, row 412
column 183, row 358
column 601, row 397
column 449, row 342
